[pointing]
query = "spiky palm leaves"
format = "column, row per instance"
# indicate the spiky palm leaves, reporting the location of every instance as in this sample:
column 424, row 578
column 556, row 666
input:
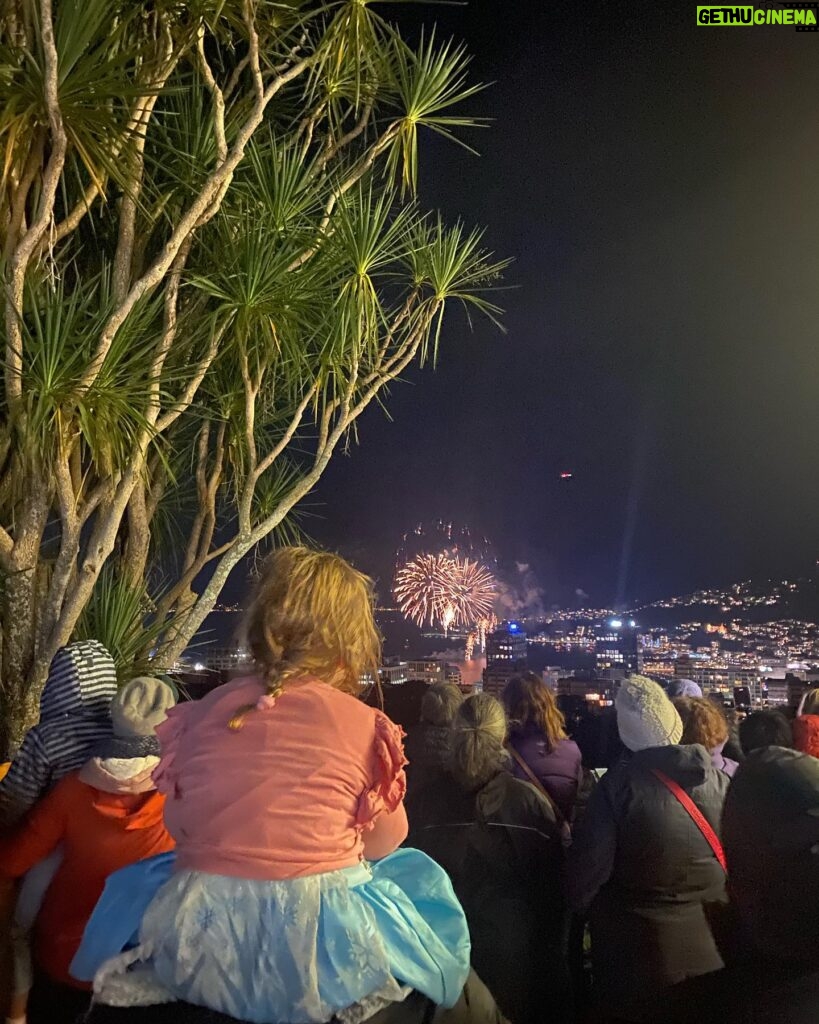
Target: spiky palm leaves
column 214, row 262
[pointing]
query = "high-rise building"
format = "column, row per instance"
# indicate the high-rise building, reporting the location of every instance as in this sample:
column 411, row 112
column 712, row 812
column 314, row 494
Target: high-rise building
column 505, row 657
column 617, row 648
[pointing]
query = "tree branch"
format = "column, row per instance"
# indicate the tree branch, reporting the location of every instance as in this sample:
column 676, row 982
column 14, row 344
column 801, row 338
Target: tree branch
column 361, row 168
column 6, row 546
column 248, row 14
column 200, row 210
column 97, row 188
column 18, row 206
column 332, row 149
column 218, row 97
column 30, row 240
column 287, row 436
column 70, row 529
column 186, row 398
column 123, row 257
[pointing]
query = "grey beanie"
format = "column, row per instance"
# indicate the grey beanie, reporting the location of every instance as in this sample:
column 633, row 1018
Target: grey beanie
column 138, row 708
column 440, row 703
column 684, row 688
column 645, row 715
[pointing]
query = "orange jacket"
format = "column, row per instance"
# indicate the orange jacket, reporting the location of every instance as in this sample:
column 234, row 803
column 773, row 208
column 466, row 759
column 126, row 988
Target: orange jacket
column 100, row 832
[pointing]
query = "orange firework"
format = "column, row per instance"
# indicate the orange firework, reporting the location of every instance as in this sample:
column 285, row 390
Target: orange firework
column 448, row 591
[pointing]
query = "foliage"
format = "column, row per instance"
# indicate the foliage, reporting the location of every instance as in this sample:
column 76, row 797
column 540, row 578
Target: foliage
column 120, row 615
column 214, row 260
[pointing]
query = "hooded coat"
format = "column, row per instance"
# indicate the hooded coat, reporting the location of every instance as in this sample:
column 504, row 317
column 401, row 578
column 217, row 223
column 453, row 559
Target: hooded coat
column 501, row 846
column 103, row 825
column 645, row 873
column 74, row 718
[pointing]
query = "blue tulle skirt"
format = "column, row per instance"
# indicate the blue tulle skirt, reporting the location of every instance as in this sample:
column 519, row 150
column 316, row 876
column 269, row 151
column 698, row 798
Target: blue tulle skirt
column 300, row 949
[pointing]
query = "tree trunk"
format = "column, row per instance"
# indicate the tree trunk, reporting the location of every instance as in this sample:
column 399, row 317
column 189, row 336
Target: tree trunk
column 19, row 695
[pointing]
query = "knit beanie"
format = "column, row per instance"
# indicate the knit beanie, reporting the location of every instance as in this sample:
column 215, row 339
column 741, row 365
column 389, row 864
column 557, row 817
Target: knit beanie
column 138, row 708
column 684, row 688
column 645, row 715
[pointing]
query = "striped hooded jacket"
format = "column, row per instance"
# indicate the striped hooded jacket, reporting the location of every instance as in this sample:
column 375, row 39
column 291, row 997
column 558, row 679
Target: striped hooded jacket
column 74, row 717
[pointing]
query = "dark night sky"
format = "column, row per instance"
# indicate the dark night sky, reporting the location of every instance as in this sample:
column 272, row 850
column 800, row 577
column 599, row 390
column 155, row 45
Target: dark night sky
column 658, row 186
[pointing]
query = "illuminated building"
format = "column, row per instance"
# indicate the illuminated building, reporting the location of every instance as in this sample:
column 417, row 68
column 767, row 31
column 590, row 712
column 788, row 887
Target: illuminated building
column 394, row 674
column 430, row 671
column 617, row 648
column 505, row 657
column 588, row 687
column 453, row 675
column 224, row 659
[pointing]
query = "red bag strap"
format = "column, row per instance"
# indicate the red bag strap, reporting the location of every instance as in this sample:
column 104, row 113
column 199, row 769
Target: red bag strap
column 695, row 814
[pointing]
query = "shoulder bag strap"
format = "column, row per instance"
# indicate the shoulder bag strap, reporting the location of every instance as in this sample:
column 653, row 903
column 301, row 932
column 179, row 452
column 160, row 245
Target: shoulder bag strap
column 530, row 775
column 695, row 814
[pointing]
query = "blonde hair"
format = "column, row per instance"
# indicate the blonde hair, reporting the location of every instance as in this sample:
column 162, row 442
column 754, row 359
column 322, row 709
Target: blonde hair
column 529, row 701
column 440, row 703
column 477, row 752
column 703, row 722
column 810, row 703
column 312, row 614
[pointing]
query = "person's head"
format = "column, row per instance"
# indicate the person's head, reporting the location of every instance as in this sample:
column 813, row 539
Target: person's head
column 137, row 709
column 703, row 722
column 765, row 728
column 312, row 614
column 440, row 703
column 810, row 703
column 684, row 688
column 530, row 702
column 82, row 681
column 477, row 751
column 645, row 715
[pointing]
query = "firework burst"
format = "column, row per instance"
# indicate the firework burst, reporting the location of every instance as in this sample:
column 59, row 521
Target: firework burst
column 449, row 591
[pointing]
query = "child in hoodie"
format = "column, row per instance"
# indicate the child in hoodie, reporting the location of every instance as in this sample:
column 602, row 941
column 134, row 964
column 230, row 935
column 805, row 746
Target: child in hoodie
column 74, row 717
column 105, row 816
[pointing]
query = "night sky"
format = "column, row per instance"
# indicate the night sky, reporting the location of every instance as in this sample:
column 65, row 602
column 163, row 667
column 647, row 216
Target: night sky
column 658, row 186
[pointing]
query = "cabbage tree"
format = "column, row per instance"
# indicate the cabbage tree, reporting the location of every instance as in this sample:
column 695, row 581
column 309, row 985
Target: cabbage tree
column 213, row 262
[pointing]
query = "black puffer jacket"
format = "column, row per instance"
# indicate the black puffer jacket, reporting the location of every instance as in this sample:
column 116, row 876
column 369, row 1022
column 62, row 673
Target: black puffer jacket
column 501, row 848
column 475, row 1006
column 645, row 873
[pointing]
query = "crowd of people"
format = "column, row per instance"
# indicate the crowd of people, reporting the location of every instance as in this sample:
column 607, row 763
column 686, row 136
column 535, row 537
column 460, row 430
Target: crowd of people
column 269, row 855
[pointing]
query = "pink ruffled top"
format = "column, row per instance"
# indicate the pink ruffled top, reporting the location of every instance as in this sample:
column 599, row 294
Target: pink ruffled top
column 313, row 783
